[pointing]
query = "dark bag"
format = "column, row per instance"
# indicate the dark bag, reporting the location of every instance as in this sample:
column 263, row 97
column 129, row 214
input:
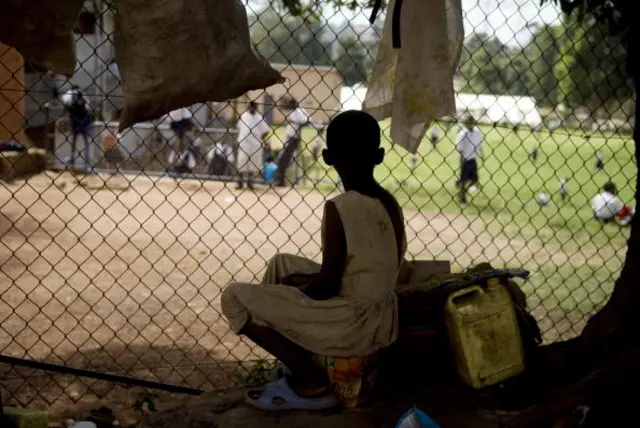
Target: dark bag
column 219, row 165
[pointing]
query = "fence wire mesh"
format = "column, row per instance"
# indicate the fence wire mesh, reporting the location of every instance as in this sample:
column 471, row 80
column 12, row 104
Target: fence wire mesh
column 118, row 267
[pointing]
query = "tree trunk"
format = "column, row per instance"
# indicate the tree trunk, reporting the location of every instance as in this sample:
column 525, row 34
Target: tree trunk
column 597, row 367
column 620, row 316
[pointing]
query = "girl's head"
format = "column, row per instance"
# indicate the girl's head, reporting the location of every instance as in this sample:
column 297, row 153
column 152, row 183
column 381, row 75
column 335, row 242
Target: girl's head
column 353, row 144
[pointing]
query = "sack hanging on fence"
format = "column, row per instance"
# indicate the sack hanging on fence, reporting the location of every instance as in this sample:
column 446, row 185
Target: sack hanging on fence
column 42, row 31
column 176, row 53
column 413, row 84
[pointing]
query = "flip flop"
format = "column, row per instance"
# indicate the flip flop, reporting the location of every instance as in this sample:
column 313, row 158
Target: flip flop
column 278, row 396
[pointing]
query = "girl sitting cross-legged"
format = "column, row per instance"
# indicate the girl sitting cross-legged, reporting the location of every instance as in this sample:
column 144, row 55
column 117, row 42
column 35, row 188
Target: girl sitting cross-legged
column 345, row 307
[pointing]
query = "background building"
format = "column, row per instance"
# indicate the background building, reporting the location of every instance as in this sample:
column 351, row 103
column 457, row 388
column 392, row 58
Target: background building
column 316, row 88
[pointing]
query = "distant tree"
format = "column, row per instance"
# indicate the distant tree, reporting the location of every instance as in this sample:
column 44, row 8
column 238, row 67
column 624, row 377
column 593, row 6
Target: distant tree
column 290, row 40
column 543, row 54
column 592, row 69
column 353, row 61
column 490, row 67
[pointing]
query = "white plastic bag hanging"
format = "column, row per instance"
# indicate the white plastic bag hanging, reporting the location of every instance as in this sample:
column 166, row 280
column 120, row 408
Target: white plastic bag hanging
column 413, row 84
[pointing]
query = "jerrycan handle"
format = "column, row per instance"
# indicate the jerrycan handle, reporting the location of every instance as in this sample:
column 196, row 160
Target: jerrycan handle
column 459, row 295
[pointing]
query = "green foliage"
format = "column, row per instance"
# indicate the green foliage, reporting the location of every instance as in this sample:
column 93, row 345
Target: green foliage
column 290, row 39
column 355, row 60
column 491, row 67
column 592, row 69
column 314, row 7
column 259, row 374
column 575, row 63
column 615, row 15
column 543, row 52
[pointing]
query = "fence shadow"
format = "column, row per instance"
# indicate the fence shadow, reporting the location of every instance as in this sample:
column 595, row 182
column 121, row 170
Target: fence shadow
column 191, row 366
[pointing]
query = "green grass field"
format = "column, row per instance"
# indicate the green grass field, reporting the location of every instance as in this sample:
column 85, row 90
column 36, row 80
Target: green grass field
column 506, row 204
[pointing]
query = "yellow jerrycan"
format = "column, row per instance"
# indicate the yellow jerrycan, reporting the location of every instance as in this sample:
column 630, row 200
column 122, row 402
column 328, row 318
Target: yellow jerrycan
column 484, row 334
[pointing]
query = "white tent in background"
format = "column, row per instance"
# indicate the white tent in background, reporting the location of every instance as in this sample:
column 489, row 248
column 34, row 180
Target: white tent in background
column 489, row 109
column 502, row 109
column 352, row 97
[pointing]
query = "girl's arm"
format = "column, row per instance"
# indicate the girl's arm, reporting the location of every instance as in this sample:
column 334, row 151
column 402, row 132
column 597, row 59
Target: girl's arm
column 334, row 256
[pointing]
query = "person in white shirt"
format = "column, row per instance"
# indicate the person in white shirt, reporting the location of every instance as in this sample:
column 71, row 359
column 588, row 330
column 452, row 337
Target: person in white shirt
column 252, row 130
column 296, row 119
column 469, row 145
column 606, row 205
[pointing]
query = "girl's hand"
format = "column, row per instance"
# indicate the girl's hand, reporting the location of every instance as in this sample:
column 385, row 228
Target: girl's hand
column 298, row 279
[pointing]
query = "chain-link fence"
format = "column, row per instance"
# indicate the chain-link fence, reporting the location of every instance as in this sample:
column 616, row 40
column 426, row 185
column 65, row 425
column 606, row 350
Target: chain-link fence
column 118, row 267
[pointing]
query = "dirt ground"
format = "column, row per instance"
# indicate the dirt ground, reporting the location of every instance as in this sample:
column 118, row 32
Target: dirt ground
column 126, row 276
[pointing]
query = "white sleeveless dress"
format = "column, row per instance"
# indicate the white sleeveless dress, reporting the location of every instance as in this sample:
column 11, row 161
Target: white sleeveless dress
column 361, row 320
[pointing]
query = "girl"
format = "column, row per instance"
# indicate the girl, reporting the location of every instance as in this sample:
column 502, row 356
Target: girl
column 346, row 306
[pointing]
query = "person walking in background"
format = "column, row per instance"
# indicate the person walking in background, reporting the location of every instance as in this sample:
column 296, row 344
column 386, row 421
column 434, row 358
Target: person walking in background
column 599, row 161
column 296, row 119
column 469, row 145
column 434, row 136
column 534, row 154
column 180, row 122
column 80, row 118
column 252, row 130
column 564, row 192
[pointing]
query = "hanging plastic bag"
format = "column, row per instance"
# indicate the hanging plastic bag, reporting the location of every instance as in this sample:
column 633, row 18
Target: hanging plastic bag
column 176, row 53
column 42, row 31
column 413, row 84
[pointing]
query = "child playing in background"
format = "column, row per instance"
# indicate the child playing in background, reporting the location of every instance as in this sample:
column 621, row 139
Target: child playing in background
column 434, row 136
column 563, row 189
column 270, row 170
column 534, row 155
column 599, row 161
column 345, row 307
column 607, row 207
column 109, row 140
column 469, row 146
